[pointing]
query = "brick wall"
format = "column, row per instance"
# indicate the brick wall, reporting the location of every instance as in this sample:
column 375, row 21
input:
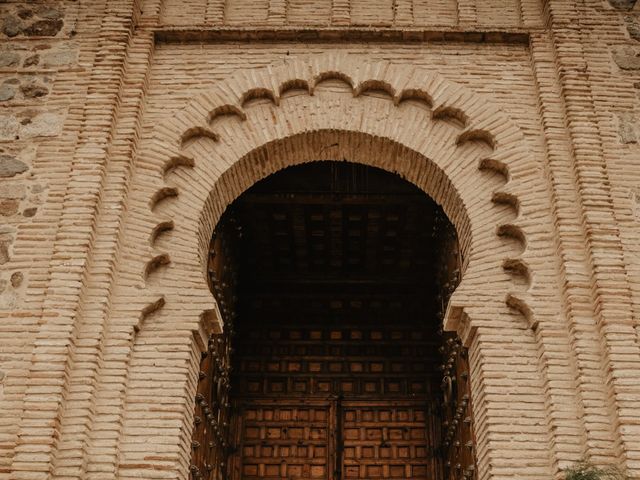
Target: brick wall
column 97, row 98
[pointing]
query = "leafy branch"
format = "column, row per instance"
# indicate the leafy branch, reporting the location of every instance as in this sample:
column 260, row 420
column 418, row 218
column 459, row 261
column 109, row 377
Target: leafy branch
column 584, row 470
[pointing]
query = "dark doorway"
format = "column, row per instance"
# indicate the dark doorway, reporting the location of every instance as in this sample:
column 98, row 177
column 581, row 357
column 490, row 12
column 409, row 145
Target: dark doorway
column 332, row 279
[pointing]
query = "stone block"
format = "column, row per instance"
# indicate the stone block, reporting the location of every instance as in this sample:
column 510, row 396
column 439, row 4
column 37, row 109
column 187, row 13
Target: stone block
column 29, row 212
column 627, row 128
column 7, row 92
column 4, row 251
column 9, row 58
column 11, row 26
column 48, row 12
column 13, row 190
column 633, row 27
column 9, row 127
column 33, row 89
column 11, row 166
column 31, row 60
column 31, row 21
column 59, row 58
column 46, row 124
column 9, row 206
column 44, row 28
column 627, row 58
column 622, row 4
column 16, row 279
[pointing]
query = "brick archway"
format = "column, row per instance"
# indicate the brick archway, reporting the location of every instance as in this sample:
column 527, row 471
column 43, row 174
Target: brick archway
column 465, row 154
column 459, row 149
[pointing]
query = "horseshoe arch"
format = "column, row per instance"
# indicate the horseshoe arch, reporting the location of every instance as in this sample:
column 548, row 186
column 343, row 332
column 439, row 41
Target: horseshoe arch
column 460, row 150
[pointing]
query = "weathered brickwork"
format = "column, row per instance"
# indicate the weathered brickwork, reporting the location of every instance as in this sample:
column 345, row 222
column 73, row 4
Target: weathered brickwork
column 128, row 126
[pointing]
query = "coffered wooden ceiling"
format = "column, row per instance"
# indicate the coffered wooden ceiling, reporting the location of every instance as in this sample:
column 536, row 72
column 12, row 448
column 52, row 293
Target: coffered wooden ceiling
column 336, row 236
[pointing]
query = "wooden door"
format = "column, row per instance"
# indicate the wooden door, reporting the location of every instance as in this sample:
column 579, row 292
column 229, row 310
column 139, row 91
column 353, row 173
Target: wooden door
column 280, row 439
column 320, row 401
column 337, row 440
column 288, row 424
column 342, row 276
column 389, row 439
column 458, row 436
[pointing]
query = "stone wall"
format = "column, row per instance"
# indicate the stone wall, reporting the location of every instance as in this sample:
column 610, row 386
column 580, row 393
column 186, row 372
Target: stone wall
column 34, row 50
column 93, row 96
column 37, row 57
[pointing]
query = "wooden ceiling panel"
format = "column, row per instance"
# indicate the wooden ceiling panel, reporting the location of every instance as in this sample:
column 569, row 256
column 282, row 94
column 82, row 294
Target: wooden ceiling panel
column 337, row 232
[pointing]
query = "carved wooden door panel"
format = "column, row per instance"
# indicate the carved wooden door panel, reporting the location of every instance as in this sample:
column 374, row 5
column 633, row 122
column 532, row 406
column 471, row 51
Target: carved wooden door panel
column 210, row 438
column 389, row 440
column 337, row 403
column 458, row 440
column 278, row 440
column 210, row 432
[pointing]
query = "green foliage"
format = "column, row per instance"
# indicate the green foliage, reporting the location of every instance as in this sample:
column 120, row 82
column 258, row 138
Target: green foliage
column 584, row 470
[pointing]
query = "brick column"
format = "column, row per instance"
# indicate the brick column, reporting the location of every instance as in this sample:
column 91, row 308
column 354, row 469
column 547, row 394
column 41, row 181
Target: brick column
column 512, row 437
column 582, row 61
column 100, row 453
column 571, row 439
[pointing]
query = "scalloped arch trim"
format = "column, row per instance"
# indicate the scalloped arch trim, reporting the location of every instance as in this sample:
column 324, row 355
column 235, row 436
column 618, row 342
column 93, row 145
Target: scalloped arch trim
column 455, row 145
column 460, row 151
